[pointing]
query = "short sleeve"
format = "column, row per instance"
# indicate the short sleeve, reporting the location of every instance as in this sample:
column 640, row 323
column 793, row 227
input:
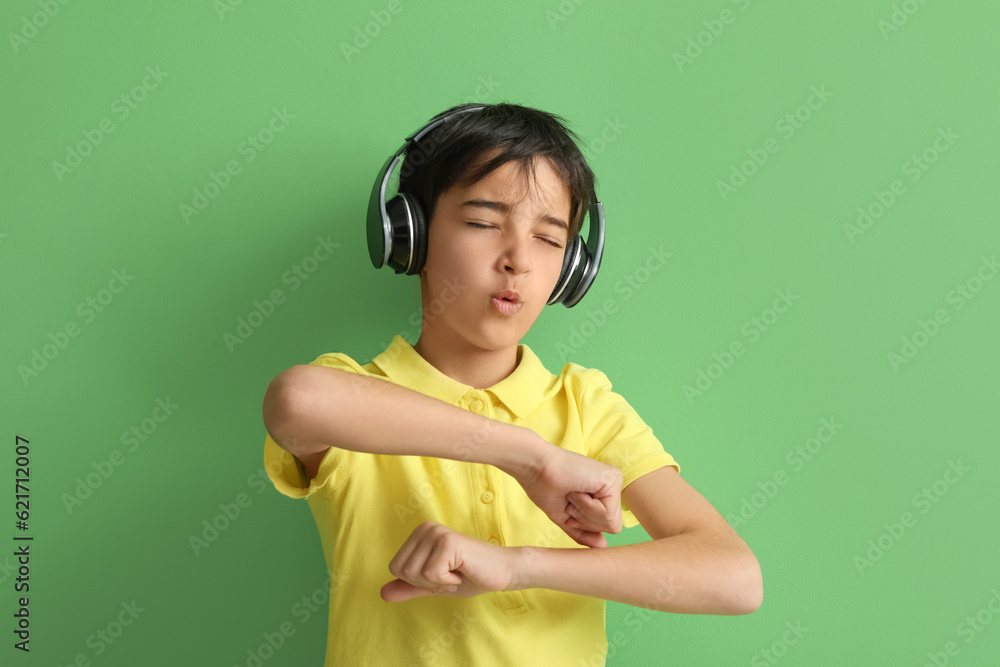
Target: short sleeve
column 615, row 434
column 286, row 471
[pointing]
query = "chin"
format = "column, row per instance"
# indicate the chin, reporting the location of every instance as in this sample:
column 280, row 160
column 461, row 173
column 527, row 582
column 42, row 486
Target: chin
column 499, row 337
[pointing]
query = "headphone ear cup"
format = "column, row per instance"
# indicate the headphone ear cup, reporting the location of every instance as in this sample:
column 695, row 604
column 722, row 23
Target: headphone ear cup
column 561, row 287
column 420, row 236
column 406, row 221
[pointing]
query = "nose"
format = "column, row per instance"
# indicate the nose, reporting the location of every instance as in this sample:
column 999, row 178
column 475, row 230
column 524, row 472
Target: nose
column 516, row 256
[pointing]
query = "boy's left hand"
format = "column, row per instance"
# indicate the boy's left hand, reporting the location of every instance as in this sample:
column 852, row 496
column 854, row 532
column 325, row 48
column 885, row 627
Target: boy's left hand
column 438, row 560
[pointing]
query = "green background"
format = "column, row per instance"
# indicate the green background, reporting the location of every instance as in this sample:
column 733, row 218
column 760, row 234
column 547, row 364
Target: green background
column 687, row 126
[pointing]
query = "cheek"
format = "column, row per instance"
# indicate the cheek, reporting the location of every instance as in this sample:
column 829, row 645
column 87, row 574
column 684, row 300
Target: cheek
column 452, row 271
column 555, row 269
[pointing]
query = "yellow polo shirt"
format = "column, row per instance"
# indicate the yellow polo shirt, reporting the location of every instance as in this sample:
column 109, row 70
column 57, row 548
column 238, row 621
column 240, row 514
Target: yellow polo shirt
column 366, row 505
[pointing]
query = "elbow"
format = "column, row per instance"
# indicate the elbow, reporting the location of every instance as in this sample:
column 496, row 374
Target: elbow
column 281, row 401
column 752, row 586
column 743, row 589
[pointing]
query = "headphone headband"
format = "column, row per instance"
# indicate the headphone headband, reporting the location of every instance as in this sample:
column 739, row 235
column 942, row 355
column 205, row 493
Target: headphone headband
column 378, row 217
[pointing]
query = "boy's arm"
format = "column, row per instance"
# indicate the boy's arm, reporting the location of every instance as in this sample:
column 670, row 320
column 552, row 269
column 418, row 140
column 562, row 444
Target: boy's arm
column 308, row 409
column 695, row 564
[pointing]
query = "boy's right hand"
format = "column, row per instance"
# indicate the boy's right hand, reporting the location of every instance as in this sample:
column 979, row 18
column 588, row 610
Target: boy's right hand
column 580, row 494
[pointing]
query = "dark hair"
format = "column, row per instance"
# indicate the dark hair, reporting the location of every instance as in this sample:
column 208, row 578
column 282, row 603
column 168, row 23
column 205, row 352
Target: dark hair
column 444, row 155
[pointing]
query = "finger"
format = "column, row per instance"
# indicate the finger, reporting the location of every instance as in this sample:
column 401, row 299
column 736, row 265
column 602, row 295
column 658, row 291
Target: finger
column 437, row 568
column 402, row 556
column 592, row 508
column 413, row 569
column 398, row 590
column 581, row 502
column 584, row 520
column 589, row 503
column 587, row 538
column 593, row 540
column 609, row 505
column 595, row 516
column 582, row 528
column 578, row 519
column 580, row 499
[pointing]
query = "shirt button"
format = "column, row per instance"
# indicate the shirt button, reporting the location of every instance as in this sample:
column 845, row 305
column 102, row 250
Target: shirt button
column 494, row 540
column 487, row 496
column 477, row 405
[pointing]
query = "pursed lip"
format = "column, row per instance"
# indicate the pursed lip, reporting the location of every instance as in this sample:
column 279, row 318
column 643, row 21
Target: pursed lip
column 509, row 295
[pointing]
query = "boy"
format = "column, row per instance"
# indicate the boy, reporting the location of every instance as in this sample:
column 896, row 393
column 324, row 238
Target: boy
column 460, row 489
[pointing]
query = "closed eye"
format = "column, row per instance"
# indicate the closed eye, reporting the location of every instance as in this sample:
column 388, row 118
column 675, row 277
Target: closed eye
column 480, row 226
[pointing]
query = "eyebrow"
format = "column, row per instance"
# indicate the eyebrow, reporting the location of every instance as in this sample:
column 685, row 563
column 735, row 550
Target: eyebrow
column 504, row 207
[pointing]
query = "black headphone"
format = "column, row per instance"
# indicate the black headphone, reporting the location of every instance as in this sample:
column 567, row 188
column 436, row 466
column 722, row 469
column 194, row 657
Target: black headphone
column 397, row 232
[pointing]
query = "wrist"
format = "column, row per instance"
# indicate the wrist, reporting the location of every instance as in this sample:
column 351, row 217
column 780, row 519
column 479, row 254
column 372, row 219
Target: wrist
column 521, row 567
column 522, row 455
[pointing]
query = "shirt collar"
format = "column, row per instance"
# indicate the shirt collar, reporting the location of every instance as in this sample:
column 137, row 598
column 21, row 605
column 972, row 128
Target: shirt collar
column 521, row 391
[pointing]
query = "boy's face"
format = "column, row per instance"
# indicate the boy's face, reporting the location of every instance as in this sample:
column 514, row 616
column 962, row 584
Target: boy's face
column 466, row 265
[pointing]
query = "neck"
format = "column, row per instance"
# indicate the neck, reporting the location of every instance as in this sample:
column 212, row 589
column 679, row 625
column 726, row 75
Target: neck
column 466, row 363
